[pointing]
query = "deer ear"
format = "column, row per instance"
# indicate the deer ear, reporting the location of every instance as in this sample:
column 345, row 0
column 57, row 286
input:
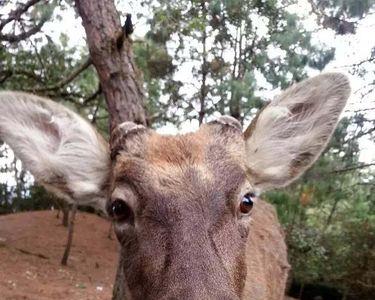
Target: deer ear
column 61, row 149
column 289, row 134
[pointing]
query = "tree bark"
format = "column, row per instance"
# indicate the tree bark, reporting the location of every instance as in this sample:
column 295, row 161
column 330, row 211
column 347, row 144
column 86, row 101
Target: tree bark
column 113, row 61
column 65, row 210
column 112, row 56
column 65, row 257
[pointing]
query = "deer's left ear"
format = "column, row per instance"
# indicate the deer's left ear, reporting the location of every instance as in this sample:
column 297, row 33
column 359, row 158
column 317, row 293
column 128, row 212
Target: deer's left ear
column 61, row 149
column 289, row 134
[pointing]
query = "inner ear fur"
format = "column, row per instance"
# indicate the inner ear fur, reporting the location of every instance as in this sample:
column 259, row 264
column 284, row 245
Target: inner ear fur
column 290, row 133
column 60, row 148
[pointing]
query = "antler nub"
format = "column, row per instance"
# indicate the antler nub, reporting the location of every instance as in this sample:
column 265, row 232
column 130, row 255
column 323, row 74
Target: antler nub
column 120, row 133
column 229, row 121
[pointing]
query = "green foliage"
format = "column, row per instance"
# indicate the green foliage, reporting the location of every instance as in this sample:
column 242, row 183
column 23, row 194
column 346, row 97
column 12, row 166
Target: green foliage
column 352, row 8
column 36, row 198
column 153, row 60
column 329, row 218
column 341, row 15
column 227, row 51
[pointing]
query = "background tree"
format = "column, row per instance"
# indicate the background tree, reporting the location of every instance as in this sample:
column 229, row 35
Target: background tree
column 232, row 49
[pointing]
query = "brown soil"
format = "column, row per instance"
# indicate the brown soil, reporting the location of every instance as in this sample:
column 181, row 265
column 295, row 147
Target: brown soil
column 32, row 245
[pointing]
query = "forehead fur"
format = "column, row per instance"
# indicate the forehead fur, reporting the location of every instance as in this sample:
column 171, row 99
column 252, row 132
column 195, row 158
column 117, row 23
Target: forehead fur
column 212, row 151
column 196, row 147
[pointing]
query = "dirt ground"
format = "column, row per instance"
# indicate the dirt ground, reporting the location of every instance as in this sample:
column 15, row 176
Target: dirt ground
column 31, row 247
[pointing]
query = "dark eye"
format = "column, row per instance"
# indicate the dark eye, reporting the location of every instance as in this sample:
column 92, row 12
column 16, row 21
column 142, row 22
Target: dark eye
column 120, row 211
column 247, row 203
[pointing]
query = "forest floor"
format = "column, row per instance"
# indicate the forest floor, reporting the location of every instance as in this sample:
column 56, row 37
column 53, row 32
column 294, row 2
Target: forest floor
column 32, row 245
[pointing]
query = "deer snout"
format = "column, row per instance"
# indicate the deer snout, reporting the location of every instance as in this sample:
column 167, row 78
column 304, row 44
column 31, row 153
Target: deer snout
column 199, row 295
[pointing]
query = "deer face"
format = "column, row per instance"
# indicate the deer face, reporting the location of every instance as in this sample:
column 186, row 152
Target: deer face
column 177, row 204
column 181, row 204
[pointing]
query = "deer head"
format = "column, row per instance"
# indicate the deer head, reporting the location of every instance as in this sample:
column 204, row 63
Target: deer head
column 181, row 204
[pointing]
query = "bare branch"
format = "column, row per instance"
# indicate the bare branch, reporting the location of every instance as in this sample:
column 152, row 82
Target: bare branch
column 360, row 63
column 9, row 73
column 360, row 110
column 15, row 38
column 352, row 168
column 16, row 14
column 359, row 135
column 93, row 96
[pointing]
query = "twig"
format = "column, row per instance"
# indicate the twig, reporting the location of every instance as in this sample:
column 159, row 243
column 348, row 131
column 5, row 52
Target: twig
column 31, row 253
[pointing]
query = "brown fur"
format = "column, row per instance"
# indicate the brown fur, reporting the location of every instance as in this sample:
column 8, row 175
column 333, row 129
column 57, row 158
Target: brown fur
column 188, row 241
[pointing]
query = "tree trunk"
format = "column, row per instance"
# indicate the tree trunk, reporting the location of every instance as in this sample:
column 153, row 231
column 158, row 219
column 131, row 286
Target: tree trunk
column 301, row 291
column 65, row 210
column 64, row 260
column 112, row 56
column 204, row 70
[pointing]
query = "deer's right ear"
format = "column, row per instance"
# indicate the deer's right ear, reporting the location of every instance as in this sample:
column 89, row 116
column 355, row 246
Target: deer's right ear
column 289, row 134
column 62, row 150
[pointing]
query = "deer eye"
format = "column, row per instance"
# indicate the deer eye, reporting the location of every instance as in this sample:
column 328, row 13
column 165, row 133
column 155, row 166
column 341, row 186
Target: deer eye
column 119, row 211
column 247, row 203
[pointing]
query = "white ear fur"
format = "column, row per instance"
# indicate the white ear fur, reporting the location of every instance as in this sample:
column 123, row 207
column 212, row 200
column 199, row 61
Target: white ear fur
column 61, row 149
column 289, row 134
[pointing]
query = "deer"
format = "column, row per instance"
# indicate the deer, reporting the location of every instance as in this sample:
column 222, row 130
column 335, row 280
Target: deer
column 186, row 208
